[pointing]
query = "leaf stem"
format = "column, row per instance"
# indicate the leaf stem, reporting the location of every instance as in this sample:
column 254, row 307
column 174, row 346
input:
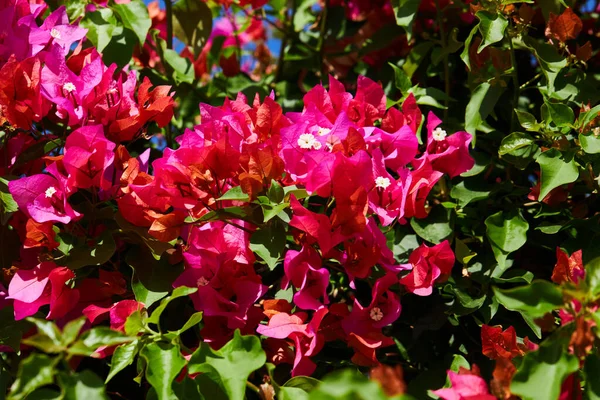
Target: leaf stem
column 252, row 386
column 515, row 79
column 169, row 11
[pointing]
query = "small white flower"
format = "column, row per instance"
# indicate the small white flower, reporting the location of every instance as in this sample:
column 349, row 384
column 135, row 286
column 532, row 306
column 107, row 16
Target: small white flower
column 50, row 191
column 55, row 33
column 438, row 134
column 317, row 145
column 306, row 141
column 376, row 314
column 323, row 131
column 69, row 87
column 382, row 182
column 202, row 281
column 596, row 131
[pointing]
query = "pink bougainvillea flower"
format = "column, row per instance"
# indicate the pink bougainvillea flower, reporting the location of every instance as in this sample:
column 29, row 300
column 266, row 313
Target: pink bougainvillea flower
column 388, row 197
column 429, row 265
column 303, row 270
column 117, row 312
column 422, row 180
column 568, row 268
column 66, row 89
column 383, row 310
column 306, row 337
column 316, row 226
column 465, row 386
column 44, row 197
column 56, row 29
column 410, row 116
column 88, row 158
column 30, row 290
column 447, row 153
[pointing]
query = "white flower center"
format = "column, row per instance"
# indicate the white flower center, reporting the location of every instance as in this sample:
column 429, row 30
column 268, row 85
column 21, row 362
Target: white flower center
column 382, row 182
column 308, row 141
column 202, row 281
column 438, row 134
column 55, row 33
column 50, row 191
column 69, row 87
column 323, row 131
column 376, row 314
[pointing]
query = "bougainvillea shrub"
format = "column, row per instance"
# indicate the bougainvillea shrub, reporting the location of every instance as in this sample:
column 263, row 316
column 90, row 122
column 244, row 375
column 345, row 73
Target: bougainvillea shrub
column 338, row 199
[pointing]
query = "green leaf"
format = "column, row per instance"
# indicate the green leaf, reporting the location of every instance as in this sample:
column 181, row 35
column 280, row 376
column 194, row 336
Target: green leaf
column 528, row 121
column 144, row 295
column 152, row 279
column 592, row 372
column 401, row 80
column 405, row 12
column 589, row 143
column 305, row 383
column 592, row 276
column 269, row 243
column 542, row 372
column 231, row 365
column 550, row 60
column 491, row 27
column 71, row 330
column 163, row 363
column 507, row 230
column 194, row 320
column 11, row 331
column 134, row 16
column 100, row 25
column 96, row 337
column 35, row 371
column 134, row 323
column 482, row 102
column 536, row 299
column 235, row 193
column 464, row 56
column 469, row 191
column 452, row 46
column 7, row 203
column 178, row 292
column 557, row 170
column 122, row 357
column 82, row 385
column 84, row 254
column 347, row 384
column 561, row 114
column 192, row 23
column 292, row 393
column 275, row 193
column 515, row 141
column 183, row 69
column 438, row 225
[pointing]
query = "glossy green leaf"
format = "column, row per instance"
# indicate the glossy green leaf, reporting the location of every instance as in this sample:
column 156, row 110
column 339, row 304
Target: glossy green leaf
column 589, row 143
column 464, row 55
column 100, row 25
column 541, row 373
column 528, row 121
column 231, row 365
column 561, row 114
column 405, row 12
column 536, row 299
column 82, row 385
column 514, row 142
column 192, row 321
column 269, row 243
column 491, row 27
column 347, row 384
column 436, row 227
column 235, row 193
column 192, row 23
column 507, row 230
column 122, row 357
column 482, row 102
column 35, row 371
column 177, row 292
column 134, row 16
column 163, row 364
column 557, row 169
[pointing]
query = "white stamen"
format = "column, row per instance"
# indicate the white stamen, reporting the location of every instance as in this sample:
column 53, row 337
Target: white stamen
column 596, row 131
column 438, row 134
column 55, row 33
column 69, row 87
column 376, row 314
column 323, row 131
column 306, row 141
column 382, row 182
column 50, row 191
column 202, row 281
